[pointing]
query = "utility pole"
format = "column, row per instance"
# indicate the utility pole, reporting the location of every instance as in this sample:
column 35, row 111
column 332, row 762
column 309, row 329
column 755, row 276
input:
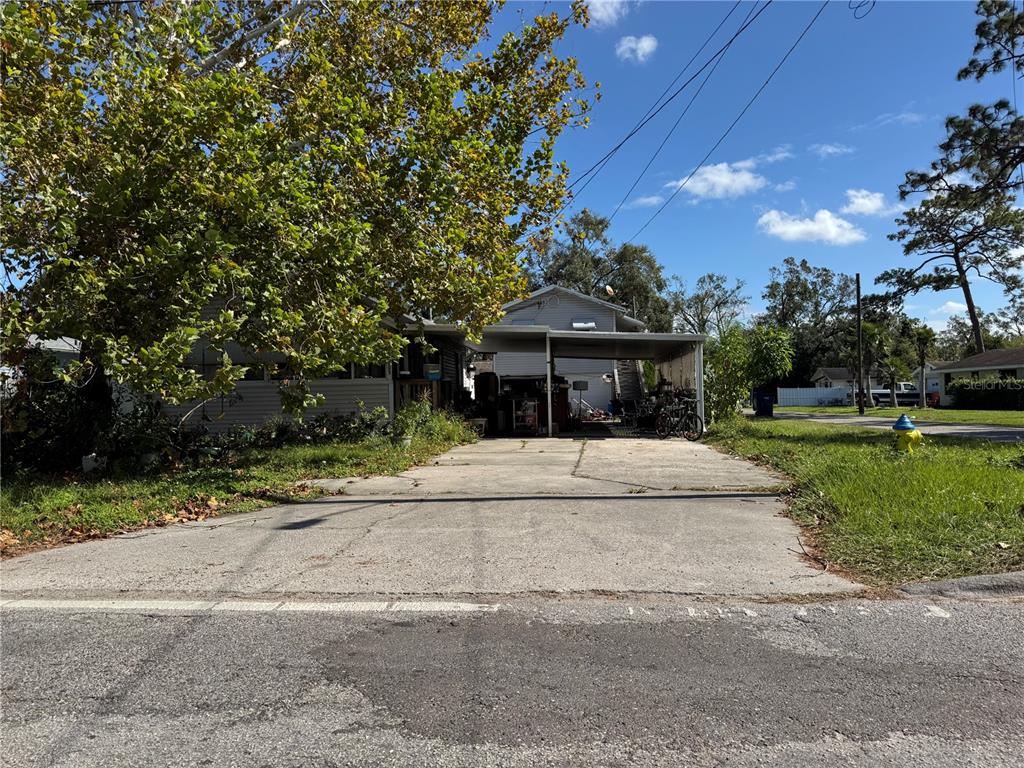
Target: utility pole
column 860, row 354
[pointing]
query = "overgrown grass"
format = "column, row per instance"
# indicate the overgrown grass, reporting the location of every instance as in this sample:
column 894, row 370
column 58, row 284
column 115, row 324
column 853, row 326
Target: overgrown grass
column 996, row 418
column 952, row 508
column 44, row 511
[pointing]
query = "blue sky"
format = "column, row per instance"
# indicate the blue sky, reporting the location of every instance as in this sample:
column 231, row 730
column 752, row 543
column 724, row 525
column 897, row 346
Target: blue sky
column 812, row 169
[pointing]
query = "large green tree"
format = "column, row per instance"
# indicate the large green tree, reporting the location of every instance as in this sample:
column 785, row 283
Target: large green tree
column 815, row 305
column 960, row 235
column 711, row 307
column 584, row 259
column 283, row 176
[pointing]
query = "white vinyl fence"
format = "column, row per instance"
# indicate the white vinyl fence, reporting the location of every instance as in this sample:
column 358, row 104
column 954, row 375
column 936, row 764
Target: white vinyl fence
column 813, row 395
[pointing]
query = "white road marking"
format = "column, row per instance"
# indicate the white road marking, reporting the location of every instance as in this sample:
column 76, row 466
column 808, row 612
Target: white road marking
column 247, row 606
column 939, row 613
column 256, row 606
column 336, row 607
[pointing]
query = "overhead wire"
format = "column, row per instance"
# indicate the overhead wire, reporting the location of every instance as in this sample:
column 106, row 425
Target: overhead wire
column 670, row 99
column 732, row 125
column 675, row 125
column 656, row 103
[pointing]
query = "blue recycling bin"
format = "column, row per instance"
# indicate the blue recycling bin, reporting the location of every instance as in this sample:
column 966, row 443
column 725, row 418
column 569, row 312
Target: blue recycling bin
column 764, row 403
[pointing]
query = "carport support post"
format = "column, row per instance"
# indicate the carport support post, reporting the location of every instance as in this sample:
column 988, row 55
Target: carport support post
column 698, row 357
column 547, row 368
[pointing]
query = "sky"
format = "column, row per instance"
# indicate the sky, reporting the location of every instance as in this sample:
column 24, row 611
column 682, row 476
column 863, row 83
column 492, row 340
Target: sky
column 811, row 170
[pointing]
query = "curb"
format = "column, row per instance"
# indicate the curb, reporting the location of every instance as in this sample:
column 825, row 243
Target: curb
column 995, row 585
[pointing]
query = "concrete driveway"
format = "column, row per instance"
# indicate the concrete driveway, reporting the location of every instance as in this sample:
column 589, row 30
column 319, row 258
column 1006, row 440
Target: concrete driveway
column 501, row 517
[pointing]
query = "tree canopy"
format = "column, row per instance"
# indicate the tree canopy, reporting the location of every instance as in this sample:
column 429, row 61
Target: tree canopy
column 285, row 177
column 711, row 307
column 960, row 235
column 814, row 304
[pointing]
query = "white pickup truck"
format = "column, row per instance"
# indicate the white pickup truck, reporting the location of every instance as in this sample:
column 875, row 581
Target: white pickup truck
column 907, row 393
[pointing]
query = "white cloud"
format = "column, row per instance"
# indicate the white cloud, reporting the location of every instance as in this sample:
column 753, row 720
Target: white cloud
column 647, row 201
column 636, row 49
column 825, row 151
column 824, row 227
column 949, row 308
column 720, row 181
column 906, row 117
column 606, row 13
column 777, row 155
column 785, row 186
column 862, row 202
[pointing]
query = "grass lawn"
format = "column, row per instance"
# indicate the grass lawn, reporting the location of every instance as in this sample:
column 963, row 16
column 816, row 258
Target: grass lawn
column 44, row 511
column 952, row 508
column 996, row 418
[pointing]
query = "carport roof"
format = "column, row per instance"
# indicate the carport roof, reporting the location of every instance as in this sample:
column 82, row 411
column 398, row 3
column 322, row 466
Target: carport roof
column 609, row 345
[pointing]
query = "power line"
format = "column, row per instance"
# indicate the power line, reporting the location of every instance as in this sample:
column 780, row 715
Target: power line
column 603, row 162
column 667, row 101
column 734, row 122
column 675, row 125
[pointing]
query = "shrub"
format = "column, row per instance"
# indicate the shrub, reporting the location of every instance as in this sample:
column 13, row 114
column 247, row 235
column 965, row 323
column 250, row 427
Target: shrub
column 987, row 394
column 418, row 419
column 43, row 422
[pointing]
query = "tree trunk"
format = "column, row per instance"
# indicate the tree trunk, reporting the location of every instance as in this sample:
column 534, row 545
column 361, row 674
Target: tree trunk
column 98, row 394
column 892, row 389
column 972, row 311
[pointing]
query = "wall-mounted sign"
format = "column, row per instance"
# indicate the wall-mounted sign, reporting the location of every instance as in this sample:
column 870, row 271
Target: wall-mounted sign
column 581, row 385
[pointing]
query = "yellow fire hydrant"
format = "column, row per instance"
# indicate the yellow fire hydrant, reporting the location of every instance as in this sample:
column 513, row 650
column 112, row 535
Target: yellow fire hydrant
column 907, row 435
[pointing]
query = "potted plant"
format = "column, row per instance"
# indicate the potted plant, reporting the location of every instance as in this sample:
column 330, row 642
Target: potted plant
column 403, row 426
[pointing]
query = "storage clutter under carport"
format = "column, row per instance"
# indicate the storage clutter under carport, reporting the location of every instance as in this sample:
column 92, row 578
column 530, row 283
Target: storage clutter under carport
column 517, row 405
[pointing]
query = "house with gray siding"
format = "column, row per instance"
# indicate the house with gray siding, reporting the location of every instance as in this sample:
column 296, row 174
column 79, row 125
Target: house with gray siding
column 563, row 309
column 436, row 374
column 992, row 364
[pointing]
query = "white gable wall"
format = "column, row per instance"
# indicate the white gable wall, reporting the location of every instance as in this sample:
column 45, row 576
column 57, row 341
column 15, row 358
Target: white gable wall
column 558, row 311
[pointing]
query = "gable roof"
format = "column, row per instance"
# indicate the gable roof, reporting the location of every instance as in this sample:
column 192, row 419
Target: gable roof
column 593, row 299
column 993, row 358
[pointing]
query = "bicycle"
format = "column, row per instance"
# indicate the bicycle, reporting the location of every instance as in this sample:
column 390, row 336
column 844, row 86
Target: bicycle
column 680, row 418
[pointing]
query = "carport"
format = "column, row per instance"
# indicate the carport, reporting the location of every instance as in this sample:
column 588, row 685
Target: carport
column 680, row 356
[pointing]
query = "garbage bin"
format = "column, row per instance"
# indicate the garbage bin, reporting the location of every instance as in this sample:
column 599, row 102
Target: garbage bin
column 764, row 403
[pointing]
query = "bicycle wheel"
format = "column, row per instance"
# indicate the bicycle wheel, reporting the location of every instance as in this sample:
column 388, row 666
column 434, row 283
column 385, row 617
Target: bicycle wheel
column 663, row 425
column 693, row 426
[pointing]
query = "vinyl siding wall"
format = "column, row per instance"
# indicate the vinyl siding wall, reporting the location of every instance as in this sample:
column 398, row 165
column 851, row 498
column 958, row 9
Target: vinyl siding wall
column 259, row 402
column 557, row 311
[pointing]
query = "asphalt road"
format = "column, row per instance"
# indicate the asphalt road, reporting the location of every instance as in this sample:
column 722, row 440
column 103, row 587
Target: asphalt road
column 553, row 682
column 515, row 603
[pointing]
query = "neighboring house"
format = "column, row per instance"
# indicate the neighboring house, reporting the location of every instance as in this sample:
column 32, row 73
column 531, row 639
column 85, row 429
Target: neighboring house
column 844, row 377
column 932, row 379
column 64, row 348
column 993, row 364
column 563, row 309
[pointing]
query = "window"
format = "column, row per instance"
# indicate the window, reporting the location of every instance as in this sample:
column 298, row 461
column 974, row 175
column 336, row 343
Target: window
column 371, row 371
